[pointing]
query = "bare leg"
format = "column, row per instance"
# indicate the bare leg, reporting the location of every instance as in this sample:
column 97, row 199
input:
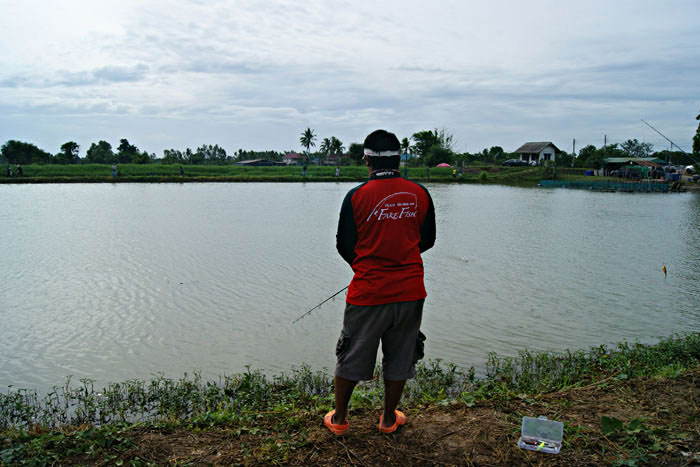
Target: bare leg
column 343, row 392
column 392, row 395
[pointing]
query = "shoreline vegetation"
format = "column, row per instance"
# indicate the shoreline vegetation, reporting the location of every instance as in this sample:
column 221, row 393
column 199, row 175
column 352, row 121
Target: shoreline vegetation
column 628, row 404
column 209, row 173
column 170, row 173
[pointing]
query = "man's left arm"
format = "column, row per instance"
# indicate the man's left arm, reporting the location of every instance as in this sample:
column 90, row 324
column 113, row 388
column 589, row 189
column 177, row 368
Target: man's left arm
column 427, row 229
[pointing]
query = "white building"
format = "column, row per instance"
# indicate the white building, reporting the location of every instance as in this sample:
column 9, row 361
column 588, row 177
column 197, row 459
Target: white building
column 538, row 152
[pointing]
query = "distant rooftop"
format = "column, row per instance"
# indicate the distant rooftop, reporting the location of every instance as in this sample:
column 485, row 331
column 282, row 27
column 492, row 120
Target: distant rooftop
column 535, row 147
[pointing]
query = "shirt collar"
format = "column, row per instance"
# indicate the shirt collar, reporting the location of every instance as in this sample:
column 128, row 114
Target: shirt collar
column 384, row 173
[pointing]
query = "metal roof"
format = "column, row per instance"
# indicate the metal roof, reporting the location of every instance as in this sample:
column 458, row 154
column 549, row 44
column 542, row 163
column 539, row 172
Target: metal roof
column 623, row 160
column 536, row 147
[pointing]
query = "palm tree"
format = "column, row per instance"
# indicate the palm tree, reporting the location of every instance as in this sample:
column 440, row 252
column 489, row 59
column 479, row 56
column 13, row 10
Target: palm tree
column 325, row 148
column 307, row 140
column 405, row 146
column 337, row 148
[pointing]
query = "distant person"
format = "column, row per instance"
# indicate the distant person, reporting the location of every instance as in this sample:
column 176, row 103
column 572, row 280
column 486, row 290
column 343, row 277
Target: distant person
column 337, row 171
column 405, row 171
column 427, row 173
column 454, row 173
column 182, row 171
column 461, row 171
column 303, row 171
column 9, row 170
column 19, row 170
column 114, row 170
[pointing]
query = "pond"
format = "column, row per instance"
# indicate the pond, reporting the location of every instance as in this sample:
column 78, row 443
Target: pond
column 122, row 281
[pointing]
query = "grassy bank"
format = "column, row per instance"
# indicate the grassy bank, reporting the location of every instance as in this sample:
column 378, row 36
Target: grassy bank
column 170, row 173
column 629, row 404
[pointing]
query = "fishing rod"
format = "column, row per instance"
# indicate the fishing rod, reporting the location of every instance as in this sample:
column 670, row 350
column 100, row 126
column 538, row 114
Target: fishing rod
column 317, row 306
column 672, row 143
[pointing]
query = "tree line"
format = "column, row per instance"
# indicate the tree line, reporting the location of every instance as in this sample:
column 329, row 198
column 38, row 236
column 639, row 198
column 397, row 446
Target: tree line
column 426, row 148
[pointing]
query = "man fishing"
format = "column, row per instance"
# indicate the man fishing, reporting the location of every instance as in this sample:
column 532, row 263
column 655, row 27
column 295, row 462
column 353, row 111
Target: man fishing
column 385, row 224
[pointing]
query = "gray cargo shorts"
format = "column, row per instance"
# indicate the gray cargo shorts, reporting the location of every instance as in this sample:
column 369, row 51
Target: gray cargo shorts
column 396, row 325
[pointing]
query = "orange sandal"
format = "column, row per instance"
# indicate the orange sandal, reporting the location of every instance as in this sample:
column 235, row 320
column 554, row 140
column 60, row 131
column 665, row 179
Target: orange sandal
column 335, row 429
column 400, row 420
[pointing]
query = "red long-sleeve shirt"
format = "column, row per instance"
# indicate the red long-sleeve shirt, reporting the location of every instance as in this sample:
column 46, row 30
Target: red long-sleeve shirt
column 385, row 224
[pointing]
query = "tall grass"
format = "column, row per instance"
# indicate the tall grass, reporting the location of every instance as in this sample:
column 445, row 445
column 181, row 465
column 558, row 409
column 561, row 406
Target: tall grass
column 194, row 400
column 94, row 173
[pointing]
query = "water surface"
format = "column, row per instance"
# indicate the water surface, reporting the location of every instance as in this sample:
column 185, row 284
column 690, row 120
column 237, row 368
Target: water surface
column 113, row 282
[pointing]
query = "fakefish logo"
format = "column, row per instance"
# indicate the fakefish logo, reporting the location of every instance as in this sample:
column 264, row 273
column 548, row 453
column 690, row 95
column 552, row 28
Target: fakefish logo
column 401, row 205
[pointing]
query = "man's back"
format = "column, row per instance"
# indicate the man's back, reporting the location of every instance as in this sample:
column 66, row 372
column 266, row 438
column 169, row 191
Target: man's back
column 384, row 225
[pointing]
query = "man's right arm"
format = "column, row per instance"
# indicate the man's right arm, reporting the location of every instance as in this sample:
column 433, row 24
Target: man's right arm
column 346, row 237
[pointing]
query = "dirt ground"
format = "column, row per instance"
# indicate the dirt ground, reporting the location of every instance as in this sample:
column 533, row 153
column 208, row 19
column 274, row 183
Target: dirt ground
column 485, row 434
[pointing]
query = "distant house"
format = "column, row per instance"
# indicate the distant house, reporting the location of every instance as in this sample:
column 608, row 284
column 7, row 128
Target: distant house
column 292, row 158
column 538, row 152
column 334, row 159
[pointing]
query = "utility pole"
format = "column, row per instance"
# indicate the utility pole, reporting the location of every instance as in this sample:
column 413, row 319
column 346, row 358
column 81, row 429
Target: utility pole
column 605, row 140
column 573, row 154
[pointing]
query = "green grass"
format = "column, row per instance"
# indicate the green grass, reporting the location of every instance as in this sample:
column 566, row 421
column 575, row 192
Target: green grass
column 80, row 422
column 96, row 173
column 190, row 398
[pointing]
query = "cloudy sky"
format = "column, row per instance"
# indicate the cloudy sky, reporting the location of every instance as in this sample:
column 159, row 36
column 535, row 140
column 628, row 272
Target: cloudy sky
column 253, row 74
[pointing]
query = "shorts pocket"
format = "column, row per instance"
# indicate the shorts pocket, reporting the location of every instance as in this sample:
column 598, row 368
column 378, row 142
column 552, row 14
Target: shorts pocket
column 341, row 347
column 420, row 347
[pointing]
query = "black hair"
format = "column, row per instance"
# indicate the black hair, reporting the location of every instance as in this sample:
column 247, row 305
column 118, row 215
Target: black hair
column 382, row 140
column 392, row 162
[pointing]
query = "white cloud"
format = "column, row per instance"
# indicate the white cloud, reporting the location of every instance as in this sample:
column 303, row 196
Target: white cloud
column 254, row 74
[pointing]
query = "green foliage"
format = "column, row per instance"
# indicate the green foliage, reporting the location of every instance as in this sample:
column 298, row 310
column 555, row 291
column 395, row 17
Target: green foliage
column 126, row 152
column 308, row 140
column 635, row 442
column 696, row 139
column 356, row 152
column 69, row 153
column 483, row 176
column 634, row 148
column 17, row 152
column 100, row 153
column 438, row 154
column 426, row 140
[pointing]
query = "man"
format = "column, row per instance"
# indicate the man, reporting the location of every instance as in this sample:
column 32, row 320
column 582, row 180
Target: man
column 385, row 224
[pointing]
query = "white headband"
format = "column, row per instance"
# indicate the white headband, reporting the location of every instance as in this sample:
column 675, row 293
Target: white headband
column 370, row 153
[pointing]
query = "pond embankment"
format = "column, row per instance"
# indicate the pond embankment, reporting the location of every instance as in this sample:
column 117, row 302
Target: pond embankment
column 633, row 404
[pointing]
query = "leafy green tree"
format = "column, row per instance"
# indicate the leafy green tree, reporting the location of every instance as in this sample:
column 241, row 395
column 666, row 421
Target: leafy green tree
column 308, row 141
column 194, row 157
column 69, row 153
column 634, row 148
column 141, row 158
column 173, row 156
column 696, row 139
column 19, row 152
column 356, row 152
column 126, row 152
column 438, row 154
column 100, row 153
column 211, row 154
column 425, row 140
column 564, row 159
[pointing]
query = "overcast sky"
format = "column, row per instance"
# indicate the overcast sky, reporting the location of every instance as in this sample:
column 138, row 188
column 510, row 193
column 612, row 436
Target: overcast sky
column 253, row 74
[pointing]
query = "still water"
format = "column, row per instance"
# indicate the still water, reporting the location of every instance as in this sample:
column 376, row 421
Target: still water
column 114, row 282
